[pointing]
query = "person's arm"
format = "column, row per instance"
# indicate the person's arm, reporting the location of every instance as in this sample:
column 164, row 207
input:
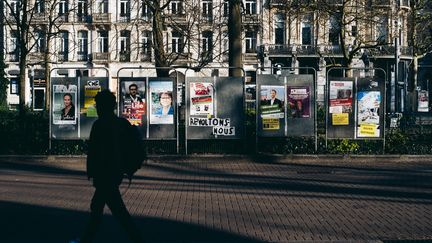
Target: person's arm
column 91, row 160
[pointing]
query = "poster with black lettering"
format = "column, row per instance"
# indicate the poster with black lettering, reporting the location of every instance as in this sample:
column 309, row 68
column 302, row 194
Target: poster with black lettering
column 133, row 101
column 221, row 126
column 64, row 104
column 201, row 98
column 299, row 101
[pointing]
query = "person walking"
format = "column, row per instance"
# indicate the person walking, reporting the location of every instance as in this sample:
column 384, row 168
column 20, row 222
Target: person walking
column 105, row 166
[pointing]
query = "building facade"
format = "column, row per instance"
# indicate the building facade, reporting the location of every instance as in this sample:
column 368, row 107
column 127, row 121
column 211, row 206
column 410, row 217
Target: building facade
column 118, row 34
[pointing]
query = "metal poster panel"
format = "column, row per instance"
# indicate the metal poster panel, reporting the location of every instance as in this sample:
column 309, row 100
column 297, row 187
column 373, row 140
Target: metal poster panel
column 201, row 98
column 64, row 111
column 133, row 102
column 161, row 102
column 271, row 105
column 340, row 117
column 162, row 108
column 423, row 101
column 368, row 118
column 90, row 86
column 370, row 108
column 300, row 105
column 215, row 107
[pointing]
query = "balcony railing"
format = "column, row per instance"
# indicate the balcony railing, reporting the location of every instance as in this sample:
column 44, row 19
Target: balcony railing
column 83, row 57
column 101, row 57
column 381, row 2
column 63, row 17
column 404, row 3
column 125, row 18
column 100, row 18
column 124, row 56
column 145, row 57
column 39, row 18
column 62, row 56
column 251, row 19
column 13, row 57
column 83, row 18
column 36, row 56
column 182, row 57
column 250, row 57
column 177, row 18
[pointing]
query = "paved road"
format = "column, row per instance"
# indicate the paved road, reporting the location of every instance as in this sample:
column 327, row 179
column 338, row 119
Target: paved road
column 225, row 200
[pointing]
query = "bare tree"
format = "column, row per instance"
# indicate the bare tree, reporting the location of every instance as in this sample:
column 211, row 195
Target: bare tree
column 234, row 36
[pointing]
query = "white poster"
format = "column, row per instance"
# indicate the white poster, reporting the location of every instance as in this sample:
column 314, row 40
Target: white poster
column 64, row 104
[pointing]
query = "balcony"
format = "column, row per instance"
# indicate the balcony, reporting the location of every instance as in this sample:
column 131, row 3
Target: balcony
column 207, row 18
column 36, row 56
column 101, row 57
column 176, row 18
column 381, row 3
column 404, row 3
column 125, row 18
column 250, row 58
column 101, row 18
column 145, row 57
column 83, row 57
column 251, row 19
column 63, row 17
column 206, row 56
column 13, row 57
column 62, row 57
column 182, row 58
column 125, row 56
column 83, row 18
column 39, row 18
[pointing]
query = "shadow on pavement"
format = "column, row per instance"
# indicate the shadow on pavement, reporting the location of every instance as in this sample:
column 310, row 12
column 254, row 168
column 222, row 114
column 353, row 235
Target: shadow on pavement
column 30, row 223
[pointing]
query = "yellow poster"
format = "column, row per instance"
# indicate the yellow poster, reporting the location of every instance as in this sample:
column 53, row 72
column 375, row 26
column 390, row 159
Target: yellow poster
column 340, row 119
column 89, row 100
column 368, row 130
column 271, row 124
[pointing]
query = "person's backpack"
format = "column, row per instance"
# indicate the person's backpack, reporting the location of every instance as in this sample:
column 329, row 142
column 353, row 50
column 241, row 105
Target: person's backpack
column 132, row 151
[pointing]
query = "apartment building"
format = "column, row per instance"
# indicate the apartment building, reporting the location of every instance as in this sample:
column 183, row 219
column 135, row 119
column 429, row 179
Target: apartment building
column 118, row 34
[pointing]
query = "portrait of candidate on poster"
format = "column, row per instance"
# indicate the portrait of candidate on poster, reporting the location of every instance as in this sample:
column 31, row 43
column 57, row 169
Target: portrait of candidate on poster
column 161, row 102
column 64, row 104
column 133, row 101
column 201, row 98
column 368, row 117
column 272, row 99
column 299, row 101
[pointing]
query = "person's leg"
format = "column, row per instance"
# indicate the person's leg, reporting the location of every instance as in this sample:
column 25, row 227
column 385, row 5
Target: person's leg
column 118, row 209
column 96, row 213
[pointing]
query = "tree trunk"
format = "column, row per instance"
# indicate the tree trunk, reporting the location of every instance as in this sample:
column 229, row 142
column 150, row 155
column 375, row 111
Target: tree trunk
column 160, row 55
column 234, row 36
column 47, row 71
column 22, row 82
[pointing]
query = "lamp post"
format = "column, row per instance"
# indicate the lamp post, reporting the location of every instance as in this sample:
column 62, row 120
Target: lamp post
column 32, row 87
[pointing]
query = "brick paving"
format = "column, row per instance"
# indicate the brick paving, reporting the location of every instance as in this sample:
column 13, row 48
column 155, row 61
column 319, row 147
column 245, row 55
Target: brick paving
column 225, row 200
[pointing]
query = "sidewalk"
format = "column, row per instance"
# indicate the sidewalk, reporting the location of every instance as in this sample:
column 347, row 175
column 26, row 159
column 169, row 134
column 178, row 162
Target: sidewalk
column 228, row 199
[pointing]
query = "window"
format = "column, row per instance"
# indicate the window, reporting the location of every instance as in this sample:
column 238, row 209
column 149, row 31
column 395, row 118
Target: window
column 334, row 30
column 225, row 8
column 125, row 10
column 381, row 30
column 207, row 45
column 124, row 45
column 279, row 29
column 14, row 7
column 102, row 6
column 306, row 31
column 250, row 7
column 40, row 41
column 207, row 9
column 103, row 41
column 251, row 41
column 63, row 46
column 82, row 45
column 225, row 46
column 146, row 46
column 40, row 6
column 177, row 7
column 145, row 11
column 13, row 42
column 177, row 42
column 14, row 86
column 82, row 10
column 63, row 8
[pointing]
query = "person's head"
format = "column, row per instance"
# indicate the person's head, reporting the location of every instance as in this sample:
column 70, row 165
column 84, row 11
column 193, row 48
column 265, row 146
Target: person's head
column 273, row 93
column 133, row 89
column 67, row 100
column 105, row 103
column 165, row 98
column 299, row 104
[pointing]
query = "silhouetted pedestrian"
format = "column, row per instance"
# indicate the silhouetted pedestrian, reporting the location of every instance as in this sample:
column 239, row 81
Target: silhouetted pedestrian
column 104, row 165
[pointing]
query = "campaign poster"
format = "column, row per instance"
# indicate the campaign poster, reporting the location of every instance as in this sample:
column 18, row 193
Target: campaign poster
column 133, row 101
column 368, row 119
column 423, row 101
column 91, row 88
column 299, row 101
column 64, row 104
column 201, row 99
column 341, row 97
column 272, row 99
column 161, row 102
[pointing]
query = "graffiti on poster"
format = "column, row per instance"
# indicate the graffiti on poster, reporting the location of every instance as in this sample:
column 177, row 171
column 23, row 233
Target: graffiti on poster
column 201, row 99
column 272, row 98
column 368, row 119
column 91, row 88
column 270, row 124
column 299, row 101
column 64, row 104
column 161, row 102
column 133, row 102
column 423, row 101
column 220, row 126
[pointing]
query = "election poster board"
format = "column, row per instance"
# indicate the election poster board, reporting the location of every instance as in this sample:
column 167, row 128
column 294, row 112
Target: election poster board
column 340, row 118
column 133, row 102
column 215, row 107
column 162, row 107
column 370, row 108
column 89, row 87
column 64, row 108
